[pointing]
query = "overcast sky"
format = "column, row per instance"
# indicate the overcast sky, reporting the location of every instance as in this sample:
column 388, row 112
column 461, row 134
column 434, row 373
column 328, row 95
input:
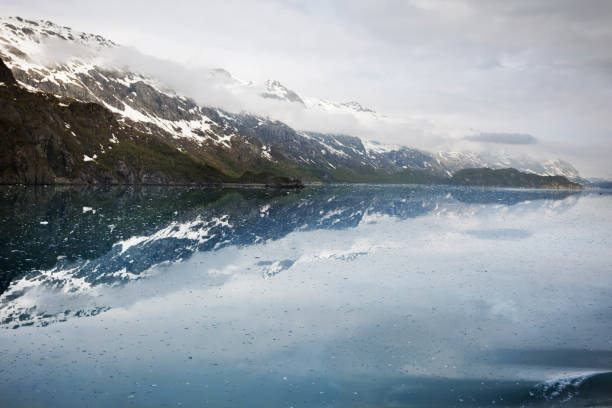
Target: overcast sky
column 536, row 74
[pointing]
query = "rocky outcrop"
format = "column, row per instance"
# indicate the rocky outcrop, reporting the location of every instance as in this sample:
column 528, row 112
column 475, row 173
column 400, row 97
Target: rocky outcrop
column 6, row 75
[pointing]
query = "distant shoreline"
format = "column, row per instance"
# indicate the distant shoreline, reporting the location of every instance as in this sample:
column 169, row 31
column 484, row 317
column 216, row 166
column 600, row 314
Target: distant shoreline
column 303, row 185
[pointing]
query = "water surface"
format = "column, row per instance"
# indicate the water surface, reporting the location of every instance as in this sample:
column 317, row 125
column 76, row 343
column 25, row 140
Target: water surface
column 359, row 296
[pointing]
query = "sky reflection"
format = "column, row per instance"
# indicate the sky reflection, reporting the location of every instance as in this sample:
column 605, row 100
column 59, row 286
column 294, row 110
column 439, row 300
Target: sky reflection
column 323, row 297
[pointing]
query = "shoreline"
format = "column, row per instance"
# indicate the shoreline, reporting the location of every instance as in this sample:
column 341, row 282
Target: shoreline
column 298, row 186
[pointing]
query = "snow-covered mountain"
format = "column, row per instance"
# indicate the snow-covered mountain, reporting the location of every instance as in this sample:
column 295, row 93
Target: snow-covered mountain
column 275, row 90
column 454, row 161
column 44, row 56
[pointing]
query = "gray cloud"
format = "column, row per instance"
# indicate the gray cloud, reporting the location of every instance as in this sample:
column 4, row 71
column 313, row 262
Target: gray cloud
column 503, row 138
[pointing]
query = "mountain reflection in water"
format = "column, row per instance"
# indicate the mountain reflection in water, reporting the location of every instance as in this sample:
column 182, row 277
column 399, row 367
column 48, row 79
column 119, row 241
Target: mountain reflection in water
column 77, row 238
column 330, row 296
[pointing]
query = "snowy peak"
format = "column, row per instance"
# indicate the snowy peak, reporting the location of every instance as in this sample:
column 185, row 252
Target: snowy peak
column 23, row 45
column 225, row 78
column 275, row 90
column 560, row 167
column 138, row 100
column 356, row 106
column 373, row 146
column 454, row 161
column 222, row 74
column 17, row 30
column 351, row 108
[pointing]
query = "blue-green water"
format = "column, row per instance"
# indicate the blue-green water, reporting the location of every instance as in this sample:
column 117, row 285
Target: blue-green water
column 339, row 296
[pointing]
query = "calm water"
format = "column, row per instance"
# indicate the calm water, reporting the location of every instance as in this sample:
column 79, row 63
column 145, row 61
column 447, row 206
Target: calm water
column 329, row 297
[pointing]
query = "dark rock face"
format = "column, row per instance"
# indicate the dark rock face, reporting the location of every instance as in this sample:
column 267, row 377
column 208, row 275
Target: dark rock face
column 6, row 76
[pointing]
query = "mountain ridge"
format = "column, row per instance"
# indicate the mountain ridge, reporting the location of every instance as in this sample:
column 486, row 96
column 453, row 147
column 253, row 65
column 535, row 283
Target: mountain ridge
column 233, row 143
column 485, row 177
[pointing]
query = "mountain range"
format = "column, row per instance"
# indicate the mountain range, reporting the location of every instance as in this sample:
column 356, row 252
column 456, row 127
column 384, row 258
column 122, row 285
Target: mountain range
column 73, row 117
